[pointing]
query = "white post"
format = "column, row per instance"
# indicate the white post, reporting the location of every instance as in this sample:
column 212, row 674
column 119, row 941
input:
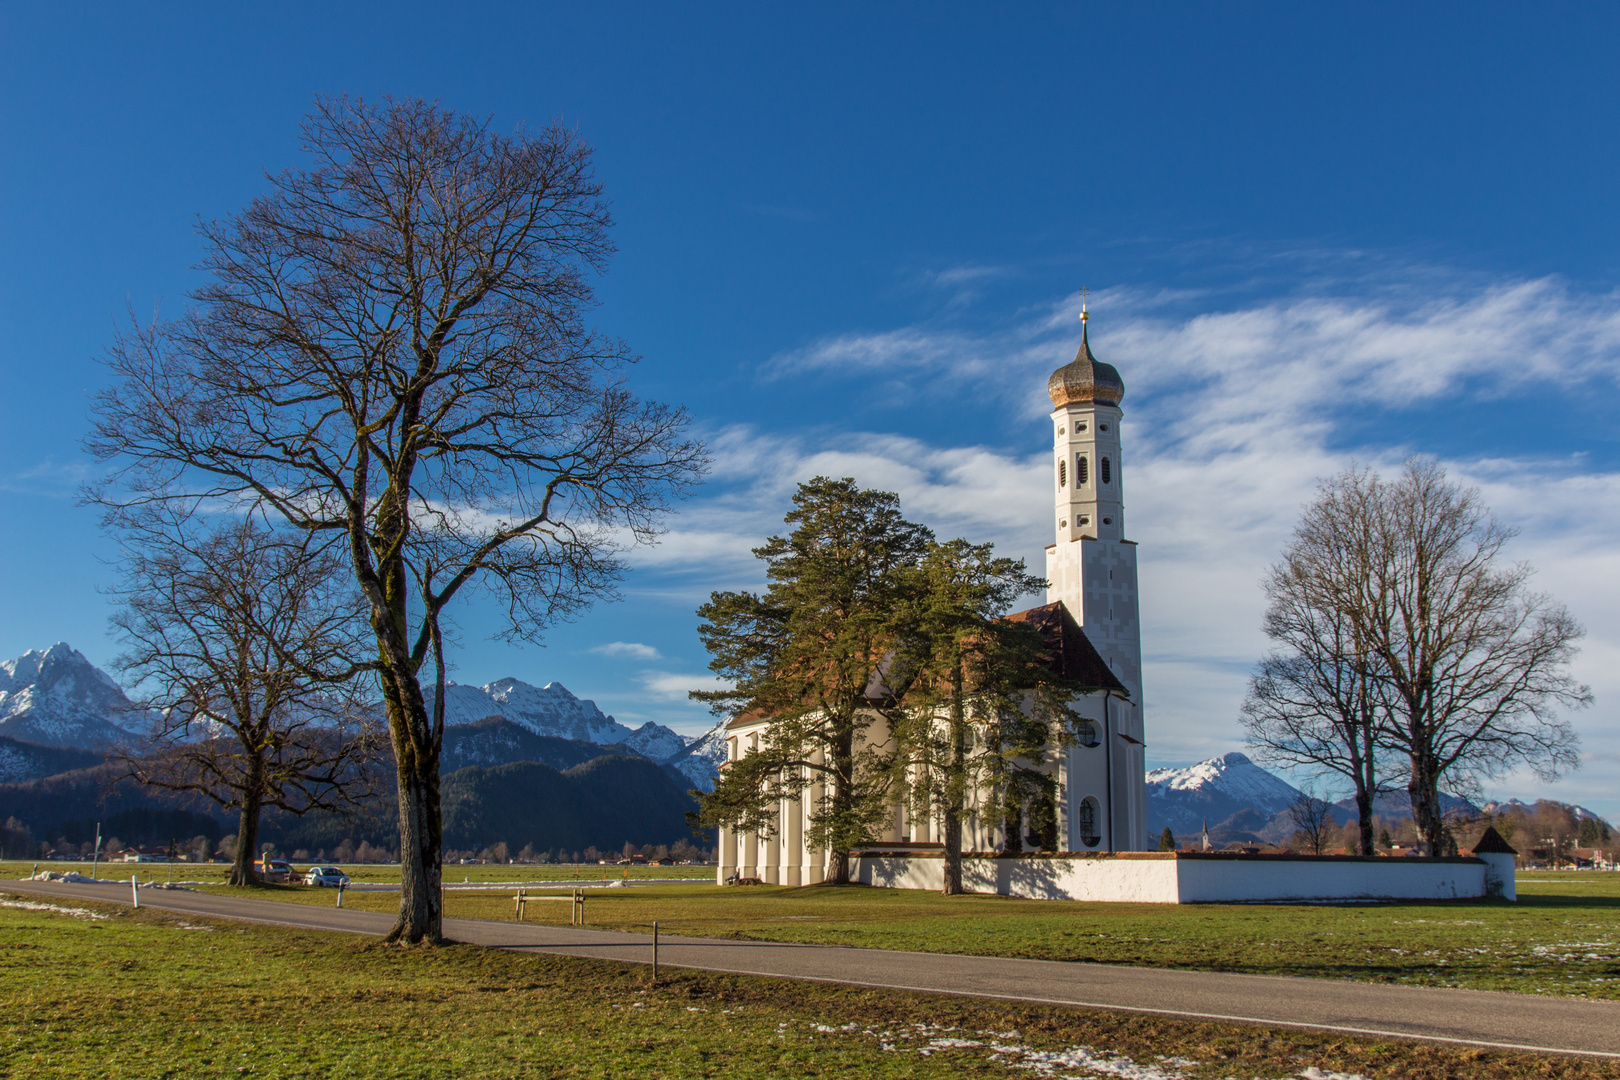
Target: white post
column 134, row 890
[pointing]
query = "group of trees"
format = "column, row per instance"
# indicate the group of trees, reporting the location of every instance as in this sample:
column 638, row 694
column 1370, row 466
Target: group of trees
column 1408, row 651
column 680, row 851
column 881, row 658
column 384, row 396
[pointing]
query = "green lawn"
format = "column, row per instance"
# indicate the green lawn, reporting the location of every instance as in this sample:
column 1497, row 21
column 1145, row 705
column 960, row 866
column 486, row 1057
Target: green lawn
column 99, row 991
column 1562, row 937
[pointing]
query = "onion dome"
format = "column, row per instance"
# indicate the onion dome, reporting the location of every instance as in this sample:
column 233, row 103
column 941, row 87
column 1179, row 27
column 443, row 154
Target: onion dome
column 1085, row 380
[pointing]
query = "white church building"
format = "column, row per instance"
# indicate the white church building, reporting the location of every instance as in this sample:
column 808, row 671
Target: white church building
column 1091, row 621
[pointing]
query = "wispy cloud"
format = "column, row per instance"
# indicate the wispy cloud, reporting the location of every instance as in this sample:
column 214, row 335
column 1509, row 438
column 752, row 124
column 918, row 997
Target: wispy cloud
column 1232, row 417
column 51, row 478
column 634, row 649
column 673, row 686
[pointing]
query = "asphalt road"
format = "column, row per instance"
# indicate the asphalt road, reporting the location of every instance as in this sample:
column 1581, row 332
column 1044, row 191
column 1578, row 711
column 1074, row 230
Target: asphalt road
column 1471, row 1017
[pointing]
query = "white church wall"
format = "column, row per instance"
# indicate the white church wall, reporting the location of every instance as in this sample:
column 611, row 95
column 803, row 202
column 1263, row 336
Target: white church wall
column 1154, row 878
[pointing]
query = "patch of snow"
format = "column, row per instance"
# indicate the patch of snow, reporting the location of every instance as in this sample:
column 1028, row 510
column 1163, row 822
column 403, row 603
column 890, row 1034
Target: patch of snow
column 32, row 905
column 700, row 762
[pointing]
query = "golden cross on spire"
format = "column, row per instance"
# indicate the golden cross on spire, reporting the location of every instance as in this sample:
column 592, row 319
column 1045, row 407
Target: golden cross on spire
column 1084, row 292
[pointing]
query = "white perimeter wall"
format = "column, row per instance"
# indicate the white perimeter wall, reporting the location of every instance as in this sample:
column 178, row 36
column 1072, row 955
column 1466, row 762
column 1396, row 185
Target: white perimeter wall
column 1166, row 879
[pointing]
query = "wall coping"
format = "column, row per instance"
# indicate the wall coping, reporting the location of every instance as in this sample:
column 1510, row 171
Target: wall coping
column 931, row 851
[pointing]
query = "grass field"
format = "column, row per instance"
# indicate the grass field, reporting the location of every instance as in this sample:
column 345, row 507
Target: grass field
column 100, row 991
column 1562, row 937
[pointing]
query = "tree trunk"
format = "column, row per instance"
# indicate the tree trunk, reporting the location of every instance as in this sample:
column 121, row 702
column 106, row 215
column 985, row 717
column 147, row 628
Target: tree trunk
column 844, row 811
column 1364, row 812
column 1424, row 790
column 247, row 839
column 421, row 831
column 953, row 850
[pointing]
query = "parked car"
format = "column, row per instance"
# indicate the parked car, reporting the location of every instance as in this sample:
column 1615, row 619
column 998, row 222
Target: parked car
column 327, row 876
column 275, row 871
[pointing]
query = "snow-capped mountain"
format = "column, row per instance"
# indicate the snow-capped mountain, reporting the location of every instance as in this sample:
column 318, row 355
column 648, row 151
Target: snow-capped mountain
column 55, row 697
column 552, row 710
column 700, row 761
column 1581, row 813
column 1215, row 791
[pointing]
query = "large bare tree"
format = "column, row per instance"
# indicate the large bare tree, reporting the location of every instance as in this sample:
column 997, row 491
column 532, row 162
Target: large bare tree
column 1475, row 665
column 391, row 348
column 1314, row 701
column 241, row 645
column 1399, row 617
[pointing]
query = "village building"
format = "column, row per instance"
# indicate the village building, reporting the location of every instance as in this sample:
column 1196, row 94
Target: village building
column 1091, row 623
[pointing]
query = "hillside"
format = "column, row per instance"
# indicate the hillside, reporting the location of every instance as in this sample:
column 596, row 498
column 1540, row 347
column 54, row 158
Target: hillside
column 496, row 740
column 21, row 761
column 602, row 803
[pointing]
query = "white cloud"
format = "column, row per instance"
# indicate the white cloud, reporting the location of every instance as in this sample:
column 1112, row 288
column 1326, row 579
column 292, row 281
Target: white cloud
column 674, row 686
column 1231, row 419
column 628, row 648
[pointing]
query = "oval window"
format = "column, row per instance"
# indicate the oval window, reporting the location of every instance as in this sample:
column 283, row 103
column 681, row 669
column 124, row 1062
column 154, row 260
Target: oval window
column 1082, row 471
column 1079, row 427
column 1087, row 735
column 1063, row 475
column 1104, row 471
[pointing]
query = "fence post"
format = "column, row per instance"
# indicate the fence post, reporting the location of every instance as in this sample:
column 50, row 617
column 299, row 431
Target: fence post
column 340, row 894
column 655, row 952
column 134, row 890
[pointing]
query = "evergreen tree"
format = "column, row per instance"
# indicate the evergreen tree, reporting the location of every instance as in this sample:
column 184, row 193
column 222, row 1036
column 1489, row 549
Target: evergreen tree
column 982, row 710
column 1167, row 840
column 814, row 654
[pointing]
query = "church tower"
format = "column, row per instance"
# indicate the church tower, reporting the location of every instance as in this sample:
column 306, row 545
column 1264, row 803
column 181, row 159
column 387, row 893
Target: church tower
column 1091, row 569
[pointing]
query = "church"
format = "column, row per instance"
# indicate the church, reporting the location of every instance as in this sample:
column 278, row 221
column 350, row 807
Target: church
column 1091, row 620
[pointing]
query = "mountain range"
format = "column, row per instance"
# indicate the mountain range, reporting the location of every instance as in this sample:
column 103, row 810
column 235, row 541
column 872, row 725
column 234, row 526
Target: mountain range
column 56, row 698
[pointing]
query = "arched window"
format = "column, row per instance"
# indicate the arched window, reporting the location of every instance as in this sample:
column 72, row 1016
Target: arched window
column 1090, row 835
column 1082, row 470
column 1087, row 734
column 1063, row 473
column 1104, row 470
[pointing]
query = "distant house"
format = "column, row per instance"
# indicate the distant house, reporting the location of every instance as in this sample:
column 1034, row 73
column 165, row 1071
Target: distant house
column 1595, row 859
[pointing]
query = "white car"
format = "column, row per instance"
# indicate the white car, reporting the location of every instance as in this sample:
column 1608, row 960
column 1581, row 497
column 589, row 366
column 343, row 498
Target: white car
column 326, row 875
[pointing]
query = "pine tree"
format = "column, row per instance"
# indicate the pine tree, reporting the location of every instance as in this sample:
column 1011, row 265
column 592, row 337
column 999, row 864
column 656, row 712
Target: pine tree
column 810, row 654
column 982, row 710
column 1167, row 840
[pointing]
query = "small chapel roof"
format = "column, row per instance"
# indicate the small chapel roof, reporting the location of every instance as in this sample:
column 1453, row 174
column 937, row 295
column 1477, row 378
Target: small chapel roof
column 1085, row 380
column 1491, row 843
column 1073, row 656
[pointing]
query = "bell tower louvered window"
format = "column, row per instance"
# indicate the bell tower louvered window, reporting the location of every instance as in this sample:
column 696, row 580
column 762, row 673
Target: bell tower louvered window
column 1104, row 471
column 1063, row 473
column 1082, row 470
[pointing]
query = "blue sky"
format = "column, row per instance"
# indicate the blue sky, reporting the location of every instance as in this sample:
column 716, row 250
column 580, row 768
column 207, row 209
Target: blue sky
column 850, row 239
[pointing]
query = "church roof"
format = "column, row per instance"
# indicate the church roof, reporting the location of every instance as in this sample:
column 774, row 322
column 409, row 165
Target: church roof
column 1073, row 654
column 1085, row 380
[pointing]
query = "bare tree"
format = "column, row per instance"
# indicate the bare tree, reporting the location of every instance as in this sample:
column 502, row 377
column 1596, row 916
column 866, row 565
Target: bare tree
column 1476, row 667
column 1315, row 701
column 1404, row 608
column 240, row 644
column 1313, row 821
column 391, row 349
